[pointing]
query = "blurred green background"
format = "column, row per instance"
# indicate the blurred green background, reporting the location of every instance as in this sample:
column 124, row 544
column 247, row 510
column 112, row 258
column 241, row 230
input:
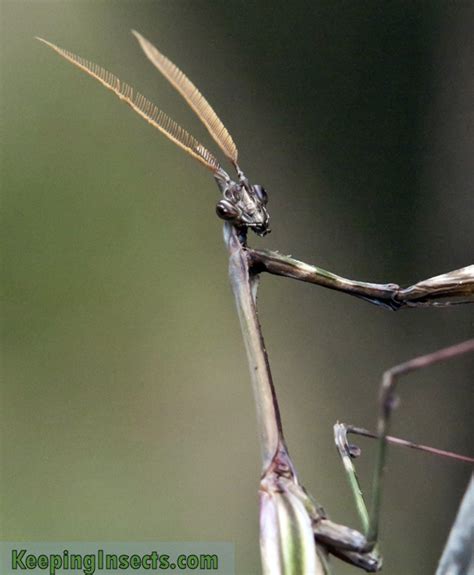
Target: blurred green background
column 127, row 411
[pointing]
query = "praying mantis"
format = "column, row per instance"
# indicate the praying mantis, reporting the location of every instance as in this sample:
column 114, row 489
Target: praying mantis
column 296, row 534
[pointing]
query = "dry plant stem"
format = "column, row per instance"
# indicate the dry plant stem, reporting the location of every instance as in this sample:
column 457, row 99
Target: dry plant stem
column 451, row 288
column 244, row 287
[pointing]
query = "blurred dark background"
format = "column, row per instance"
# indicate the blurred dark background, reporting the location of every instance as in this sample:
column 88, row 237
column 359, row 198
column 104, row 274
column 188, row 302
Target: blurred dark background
column 127, row 411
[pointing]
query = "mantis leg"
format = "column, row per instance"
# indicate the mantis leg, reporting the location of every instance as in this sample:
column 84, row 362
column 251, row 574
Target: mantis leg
column 387, row 403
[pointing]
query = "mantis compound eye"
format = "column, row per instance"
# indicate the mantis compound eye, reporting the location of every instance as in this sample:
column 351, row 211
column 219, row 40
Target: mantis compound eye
column 226, row 211
column 260, row 193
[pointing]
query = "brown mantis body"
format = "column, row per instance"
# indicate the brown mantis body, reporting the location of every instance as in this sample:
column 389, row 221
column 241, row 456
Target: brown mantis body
column 296, row 534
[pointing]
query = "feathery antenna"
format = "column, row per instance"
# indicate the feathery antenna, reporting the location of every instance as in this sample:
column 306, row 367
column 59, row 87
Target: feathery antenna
column 143, row 107
column 193, row 97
